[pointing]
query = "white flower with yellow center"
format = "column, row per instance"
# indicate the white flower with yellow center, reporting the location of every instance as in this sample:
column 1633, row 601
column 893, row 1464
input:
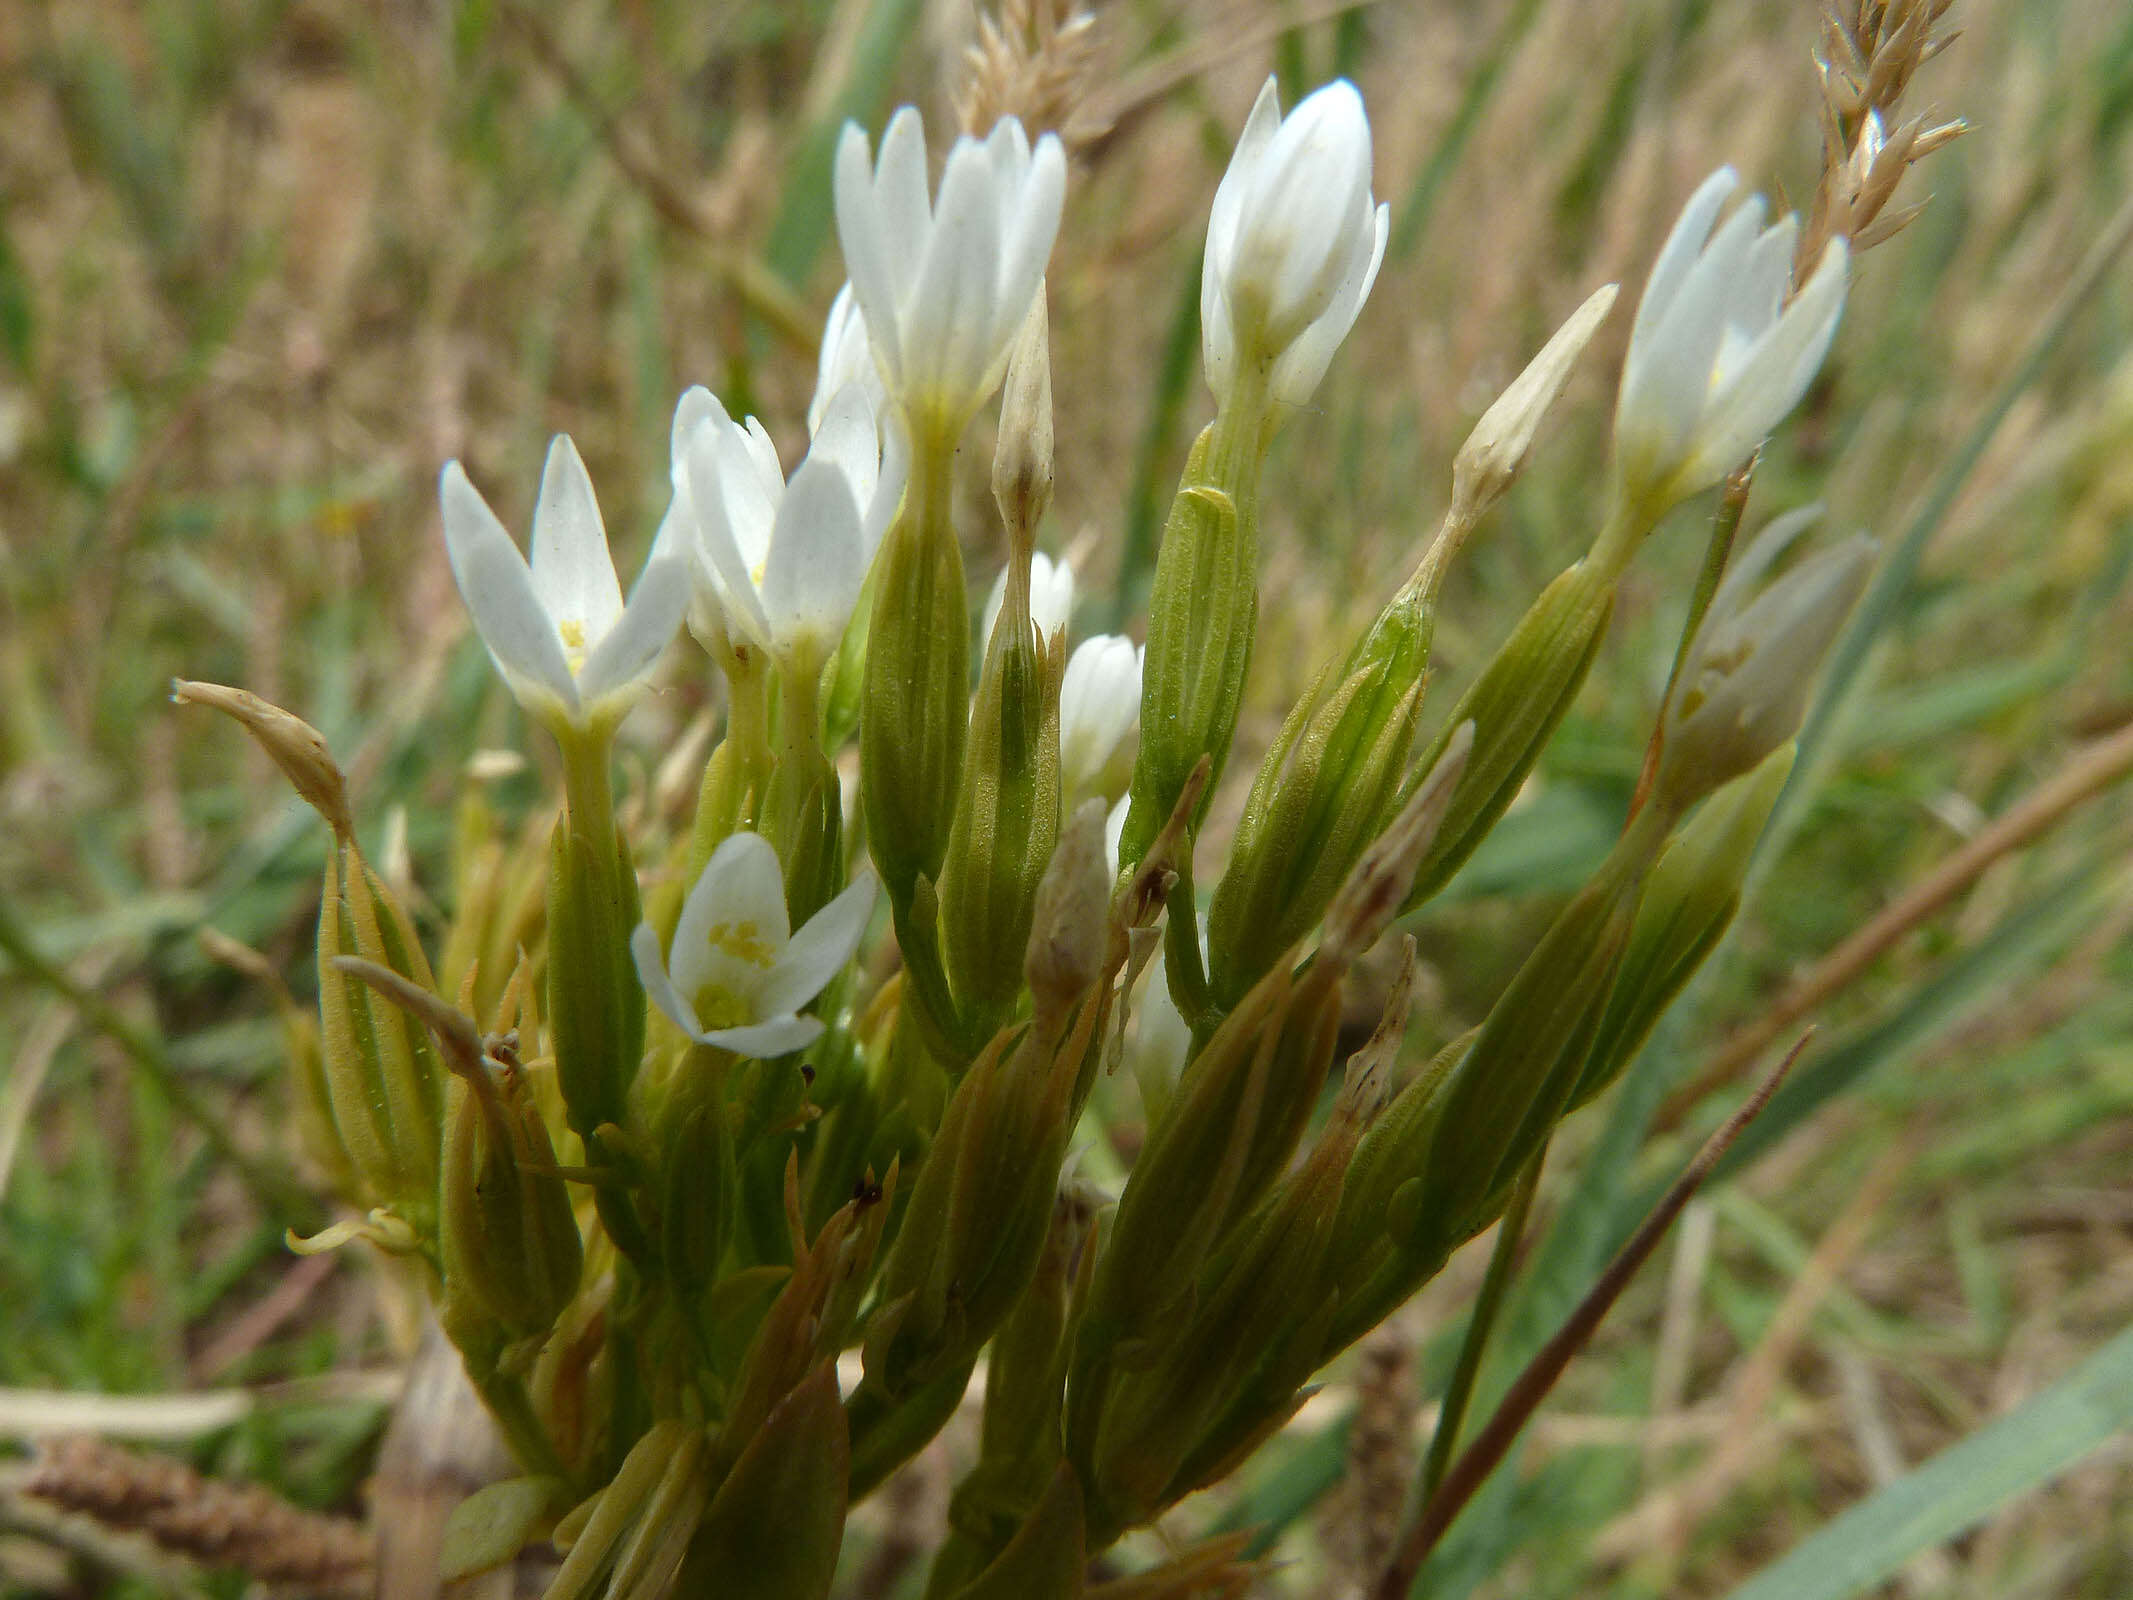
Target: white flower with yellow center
column 736, row 977
column 944, row 285
column 556, row 626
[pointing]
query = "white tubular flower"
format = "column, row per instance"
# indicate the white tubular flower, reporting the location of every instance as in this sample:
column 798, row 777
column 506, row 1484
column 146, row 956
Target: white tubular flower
column 944, row 286
column 847, row 358
column 557, row 627
column 736, row 976
column 784, row 562
column 1293, row 243
column 1051, row 595
column 1744, row 685
column 1716, row 358
column 1099, row 707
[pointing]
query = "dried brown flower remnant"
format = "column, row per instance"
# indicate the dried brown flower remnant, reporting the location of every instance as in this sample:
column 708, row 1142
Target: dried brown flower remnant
column 1870, row 51
column 1033, row 59
column 226, row 1525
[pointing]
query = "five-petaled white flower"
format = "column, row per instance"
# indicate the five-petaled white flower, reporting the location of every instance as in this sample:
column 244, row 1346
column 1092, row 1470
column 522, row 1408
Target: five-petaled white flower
column 1716, row 357
column 736, row 977
column 1099, row 707
column 1744, row 684
column 557, row 627
column 783, row 561
column 944, row 286
column 1293, row 243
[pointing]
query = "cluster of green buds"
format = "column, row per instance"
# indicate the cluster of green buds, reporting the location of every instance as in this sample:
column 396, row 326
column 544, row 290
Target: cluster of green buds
column 674, row 1136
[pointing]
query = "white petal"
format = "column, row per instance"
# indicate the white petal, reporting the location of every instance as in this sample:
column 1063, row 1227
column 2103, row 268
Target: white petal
column 847, row 358
column 696, row 407
column 652, row 973
column 733, row 522
column 1683, row 245
column 762, row 1041
column 740, row 898
column 869, row 255
column 1746, row 571
column 1237, row 179
column 900, row 194
column 1312, row 198
column 1051, row 595
column 948, row 324
column 1031, row 225
column 1666, row 383
column 573, row 572
column 1300, row 368
column 846, row 437
column 1099, row 703
column 889, row 487
column 817, row 562
column 632, row 647
column 499, row 593
column 820, row 949
column 1774, row 375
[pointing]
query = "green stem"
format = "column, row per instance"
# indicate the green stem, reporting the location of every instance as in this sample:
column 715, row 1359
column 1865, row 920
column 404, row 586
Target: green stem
column 1460, row 1392
column 512, row 1410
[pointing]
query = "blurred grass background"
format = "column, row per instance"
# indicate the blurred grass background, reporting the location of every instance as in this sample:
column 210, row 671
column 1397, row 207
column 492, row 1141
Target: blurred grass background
column 265, row 265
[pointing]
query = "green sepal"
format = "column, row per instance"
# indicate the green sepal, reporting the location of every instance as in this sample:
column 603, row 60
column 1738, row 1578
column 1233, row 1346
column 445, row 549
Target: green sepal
column 1006, row 825
column 777, row 1521
column 1515, row 706
column 1045, row 1559
column 595, row 1003
column 1323, row 793
column 1689, row 902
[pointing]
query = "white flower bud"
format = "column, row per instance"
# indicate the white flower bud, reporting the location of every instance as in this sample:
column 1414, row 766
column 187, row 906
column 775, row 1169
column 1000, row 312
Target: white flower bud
column 1099, row 707
column 1293, row 243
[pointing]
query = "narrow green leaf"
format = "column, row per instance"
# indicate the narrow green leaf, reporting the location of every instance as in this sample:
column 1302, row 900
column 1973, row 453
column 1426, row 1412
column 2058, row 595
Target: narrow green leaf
column 2020, row 1452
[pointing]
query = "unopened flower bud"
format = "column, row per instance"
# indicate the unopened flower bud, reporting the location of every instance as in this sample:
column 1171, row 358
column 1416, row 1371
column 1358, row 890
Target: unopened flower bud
column 1744, row 683
column 1022, row 458
column 1489, row 461
column 1068, row 931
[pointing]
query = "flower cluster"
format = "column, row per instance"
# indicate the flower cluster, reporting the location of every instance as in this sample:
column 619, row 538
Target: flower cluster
column 657, row 1192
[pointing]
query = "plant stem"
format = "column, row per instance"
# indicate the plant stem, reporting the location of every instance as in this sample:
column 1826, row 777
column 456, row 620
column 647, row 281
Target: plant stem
column 1460, row 1393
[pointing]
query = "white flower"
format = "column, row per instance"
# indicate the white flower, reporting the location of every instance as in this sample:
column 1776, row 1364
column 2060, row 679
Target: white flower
column 1716, row 357
column 557, row 627
column 1099, row 707
column 1293, row 242
column 736, row 977
column 944, row 287
column 1744, row 685
column 784, row 562
column 847, row 358
column 1051, row 595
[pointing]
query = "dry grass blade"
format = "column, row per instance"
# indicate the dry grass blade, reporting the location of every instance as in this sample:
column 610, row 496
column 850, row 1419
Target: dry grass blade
column 1490, row 1446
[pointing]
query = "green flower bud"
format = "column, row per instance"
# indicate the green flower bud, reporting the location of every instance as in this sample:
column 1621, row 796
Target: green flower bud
column 915, row 703
column 383, row 1079
column 510, row 1239
column 698, row 1194
column 1323, row 792
column 1515, row 706
column 1008, row 820
column 1019, row 1444
column 1688, row 904
column 595, row 1003
column 1203, row 609
column 1507, row 1094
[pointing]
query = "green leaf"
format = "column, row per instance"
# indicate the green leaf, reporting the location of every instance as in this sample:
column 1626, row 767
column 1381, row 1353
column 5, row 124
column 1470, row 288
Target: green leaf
column 2022, row 1451
column 492, row 1525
